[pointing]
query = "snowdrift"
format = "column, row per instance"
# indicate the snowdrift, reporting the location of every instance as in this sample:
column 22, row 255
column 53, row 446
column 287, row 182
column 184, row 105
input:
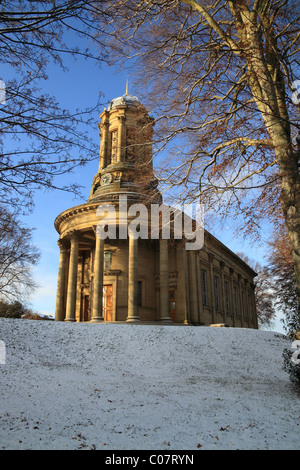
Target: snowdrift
column 122, row 386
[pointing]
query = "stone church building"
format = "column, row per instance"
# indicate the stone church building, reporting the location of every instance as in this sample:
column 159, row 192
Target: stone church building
column 122, row 277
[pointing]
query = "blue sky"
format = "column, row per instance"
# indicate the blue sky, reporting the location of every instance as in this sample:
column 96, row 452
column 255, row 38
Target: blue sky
column 79, row 88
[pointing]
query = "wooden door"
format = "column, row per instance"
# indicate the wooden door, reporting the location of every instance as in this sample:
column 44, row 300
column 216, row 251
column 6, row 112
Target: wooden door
column 107, row 302
column 172, row 305
column 86, row 301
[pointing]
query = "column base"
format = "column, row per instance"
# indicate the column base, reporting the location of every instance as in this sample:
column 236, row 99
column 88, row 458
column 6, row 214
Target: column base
column 166, row 320
column 128, row 319
column 97, row 320
column 70, row 319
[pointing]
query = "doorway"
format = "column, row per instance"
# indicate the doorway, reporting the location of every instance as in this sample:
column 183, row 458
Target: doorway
column 107, row 302
column 86, row 305
column 172, row 305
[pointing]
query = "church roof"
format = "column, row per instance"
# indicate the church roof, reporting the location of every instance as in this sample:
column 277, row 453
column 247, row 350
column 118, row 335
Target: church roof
column 128, row 100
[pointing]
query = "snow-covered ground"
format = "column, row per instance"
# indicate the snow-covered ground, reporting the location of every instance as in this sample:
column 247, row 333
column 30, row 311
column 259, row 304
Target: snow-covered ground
column 122, row 386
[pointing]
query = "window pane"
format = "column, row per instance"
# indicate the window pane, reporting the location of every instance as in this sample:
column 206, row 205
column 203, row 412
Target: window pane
column 107, row 260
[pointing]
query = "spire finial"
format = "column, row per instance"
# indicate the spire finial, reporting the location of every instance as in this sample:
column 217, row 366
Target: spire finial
column 126, row 87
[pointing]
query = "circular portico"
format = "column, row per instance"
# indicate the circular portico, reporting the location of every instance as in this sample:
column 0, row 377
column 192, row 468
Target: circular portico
column 88, row 263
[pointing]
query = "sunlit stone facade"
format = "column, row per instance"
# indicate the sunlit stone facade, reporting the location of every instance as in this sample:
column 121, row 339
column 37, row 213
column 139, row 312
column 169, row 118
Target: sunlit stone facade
column 132, row 279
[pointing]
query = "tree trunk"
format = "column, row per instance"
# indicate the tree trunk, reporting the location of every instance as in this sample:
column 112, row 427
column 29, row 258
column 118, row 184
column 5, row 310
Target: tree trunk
column 268, row 88
column 287, row 162
column 258, row 47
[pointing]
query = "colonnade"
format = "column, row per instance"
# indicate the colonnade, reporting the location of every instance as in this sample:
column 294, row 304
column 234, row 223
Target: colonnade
column 66, row 310
column 239, row 312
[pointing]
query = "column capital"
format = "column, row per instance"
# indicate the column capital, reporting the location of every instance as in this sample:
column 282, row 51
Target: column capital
column 104, row 123
column 94, row 228
column 63, row 244
column 73, row 235
column 211, row 257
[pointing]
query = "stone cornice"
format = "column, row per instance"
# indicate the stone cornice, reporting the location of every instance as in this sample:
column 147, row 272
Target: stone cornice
column 86, row 207
column 213, row 240
column 92, row 206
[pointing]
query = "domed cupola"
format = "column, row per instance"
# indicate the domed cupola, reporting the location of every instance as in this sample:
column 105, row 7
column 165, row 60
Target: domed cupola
column 127, row 100
column 125, row 164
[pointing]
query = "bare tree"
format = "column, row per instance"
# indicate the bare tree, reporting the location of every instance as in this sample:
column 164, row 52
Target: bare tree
column 40, row 140
column 18, row 256
column 220, row 75
column 281, row 270
column 265, row 292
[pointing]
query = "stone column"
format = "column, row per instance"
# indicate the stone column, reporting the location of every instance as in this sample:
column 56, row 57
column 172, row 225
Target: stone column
column 240, row 299
column 193, row 286
column 61, row 281
column 132, row 280
column 232, row 295
column 199, row 287
column 71, row 292
column 164, row 281
column 122, row 138
column 104, row 150
column 223, row 300
column 186, row 287
column 246, row 304
column 253, row 301
column 97, row 308
column 212, row 288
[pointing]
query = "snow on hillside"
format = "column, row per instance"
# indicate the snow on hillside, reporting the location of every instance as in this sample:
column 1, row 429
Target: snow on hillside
column 122, row 386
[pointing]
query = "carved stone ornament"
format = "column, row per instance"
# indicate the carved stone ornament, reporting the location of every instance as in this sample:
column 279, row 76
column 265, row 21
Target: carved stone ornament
column 63, row 244
column 74, row 234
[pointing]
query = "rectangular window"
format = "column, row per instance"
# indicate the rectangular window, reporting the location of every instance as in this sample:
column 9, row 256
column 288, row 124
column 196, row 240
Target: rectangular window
column 107, row 260
column 227, row 297
column 204, row 286
column 216, row 289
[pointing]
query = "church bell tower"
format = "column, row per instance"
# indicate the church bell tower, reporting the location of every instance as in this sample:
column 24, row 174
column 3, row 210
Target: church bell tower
column 125, row 163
